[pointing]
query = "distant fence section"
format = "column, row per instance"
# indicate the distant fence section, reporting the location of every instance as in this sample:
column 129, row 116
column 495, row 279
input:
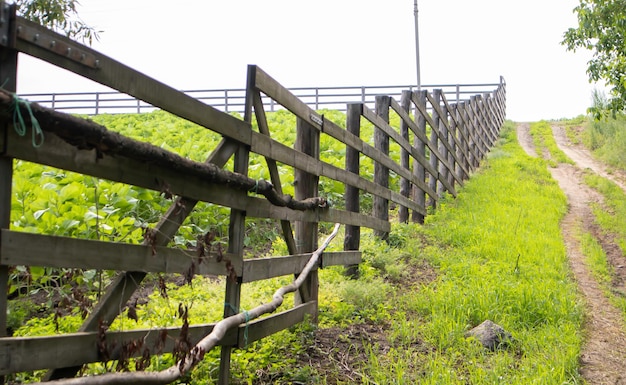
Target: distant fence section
column 234, row 100
column 441, row 140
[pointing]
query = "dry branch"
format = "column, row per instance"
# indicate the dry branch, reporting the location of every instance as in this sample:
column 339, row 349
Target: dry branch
column 87, row 135
column 207, row 343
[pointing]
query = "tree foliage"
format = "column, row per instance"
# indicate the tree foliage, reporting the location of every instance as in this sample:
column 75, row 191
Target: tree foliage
column 602, row 30
column 59, row 15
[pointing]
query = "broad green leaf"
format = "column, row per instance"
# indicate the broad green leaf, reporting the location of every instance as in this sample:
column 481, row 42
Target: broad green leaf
column 37, row 214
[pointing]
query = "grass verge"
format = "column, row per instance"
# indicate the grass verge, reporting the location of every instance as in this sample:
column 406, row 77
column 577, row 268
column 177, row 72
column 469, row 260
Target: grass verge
column 500, row 253
column 541, row 133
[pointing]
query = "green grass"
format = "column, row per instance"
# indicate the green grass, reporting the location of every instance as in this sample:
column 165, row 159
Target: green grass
column 602, row 270
column 541, row 133
column 611, row 216
column 511, row 207
column 607, row 139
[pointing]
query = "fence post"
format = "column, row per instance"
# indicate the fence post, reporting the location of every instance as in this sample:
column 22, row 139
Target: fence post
column 420, row 146
column 488, row 119
column 453, row 134
column 236, row 233
column 226, row 101
column 434, row 141
column 475, row 129
column 462, row 134
column 444, row 172
column 352, row 239
column 482, row 116
column 317, row 97
column 405, row 184
column 97, row 103
column 381, row 173
column 8, row 72
column 308, row 142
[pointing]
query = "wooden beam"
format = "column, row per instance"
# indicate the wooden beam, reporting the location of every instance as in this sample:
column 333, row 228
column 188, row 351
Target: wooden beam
column 62, row 252
column 23, row 354
column 381, row 171
column 352, row 238
column 8, row 74
column 264, row 268
column 118, row 76
column 419, row 168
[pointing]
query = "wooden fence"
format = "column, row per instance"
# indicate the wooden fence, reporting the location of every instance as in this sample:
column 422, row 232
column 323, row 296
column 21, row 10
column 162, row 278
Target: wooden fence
column 439, row 151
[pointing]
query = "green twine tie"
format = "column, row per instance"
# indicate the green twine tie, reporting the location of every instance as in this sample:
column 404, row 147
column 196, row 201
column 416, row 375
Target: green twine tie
column 20, row 125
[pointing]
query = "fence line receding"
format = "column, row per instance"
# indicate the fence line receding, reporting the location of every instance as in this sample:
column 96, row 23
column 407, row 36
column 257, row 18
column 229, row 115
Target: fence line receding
column 442, row 138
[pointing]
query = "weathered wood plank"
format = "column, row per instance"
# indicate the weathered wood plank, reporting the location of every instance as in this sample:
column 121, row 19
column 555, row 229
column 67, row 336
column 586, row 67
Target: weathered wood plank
column 405, row 184
column 125, row 284
column 264, row 268
column 381, row 171
column 8, row 72
column 442, row 132
column 57, row 153
column 467, row 138
column 307, row 185
column 458, row 137
column 236, row 235
column 352, row 238
column 274, row 323
column 419, row 134
column 419, row 168
column 384, row 159
column 270, row 87
column 62, row 252
column 432, row 145
column 261, row 119
column 444, row 172
column 23, row 354
column 118, row 76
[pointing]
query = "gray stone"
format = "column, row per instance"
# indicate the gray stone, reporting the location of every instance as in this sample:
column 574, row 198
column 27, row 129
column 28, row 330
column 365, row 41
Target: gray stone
column 491, row 335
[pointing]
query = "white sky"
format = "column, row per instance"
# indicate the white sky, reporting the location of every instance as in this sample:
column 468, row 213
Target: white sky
column 208, row 44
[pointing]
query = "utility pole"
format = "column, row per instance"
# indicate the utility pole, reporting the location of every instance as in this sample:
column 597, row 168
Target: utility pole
column 417, row 45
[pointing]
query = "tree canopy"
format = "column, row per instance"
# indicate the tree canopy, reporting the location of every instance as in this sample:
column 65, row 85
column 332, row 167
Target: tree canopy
column 59, row 15
column 602, row 30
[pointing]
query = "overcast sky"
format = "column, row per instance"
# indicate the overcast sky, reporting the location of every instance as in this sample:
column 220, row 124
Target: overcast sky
column 208, row 44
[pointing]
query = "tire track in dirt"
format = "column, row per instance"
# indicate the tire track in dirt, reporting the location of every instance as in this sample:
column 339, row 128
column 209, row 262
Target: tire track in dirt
column 603, row 355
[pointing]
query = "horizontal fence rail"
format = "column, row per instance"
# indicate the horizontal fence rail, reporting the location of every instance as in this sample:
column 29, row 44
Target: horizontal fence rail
column 441, row 138
column 233, row 100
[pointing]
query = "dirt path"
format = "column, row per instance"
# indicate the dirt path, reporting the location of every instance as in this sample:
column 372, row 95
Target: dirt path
column 604, row 353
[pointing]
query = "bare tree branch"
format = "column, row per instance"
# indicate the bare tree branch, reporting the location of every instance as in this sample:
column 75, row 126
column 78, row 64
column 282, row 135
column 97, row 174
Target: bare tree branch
column 207, row 343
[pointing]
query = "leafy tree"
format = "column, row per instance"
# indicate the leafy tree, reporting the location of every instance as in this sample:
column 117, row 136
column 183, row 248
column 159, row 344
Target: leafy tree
column 602, row 30
column 59, row 15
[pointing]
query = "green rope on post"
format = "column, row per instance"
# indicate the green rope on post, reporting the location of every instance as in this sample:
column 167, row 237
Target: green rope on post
column 20, row 125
